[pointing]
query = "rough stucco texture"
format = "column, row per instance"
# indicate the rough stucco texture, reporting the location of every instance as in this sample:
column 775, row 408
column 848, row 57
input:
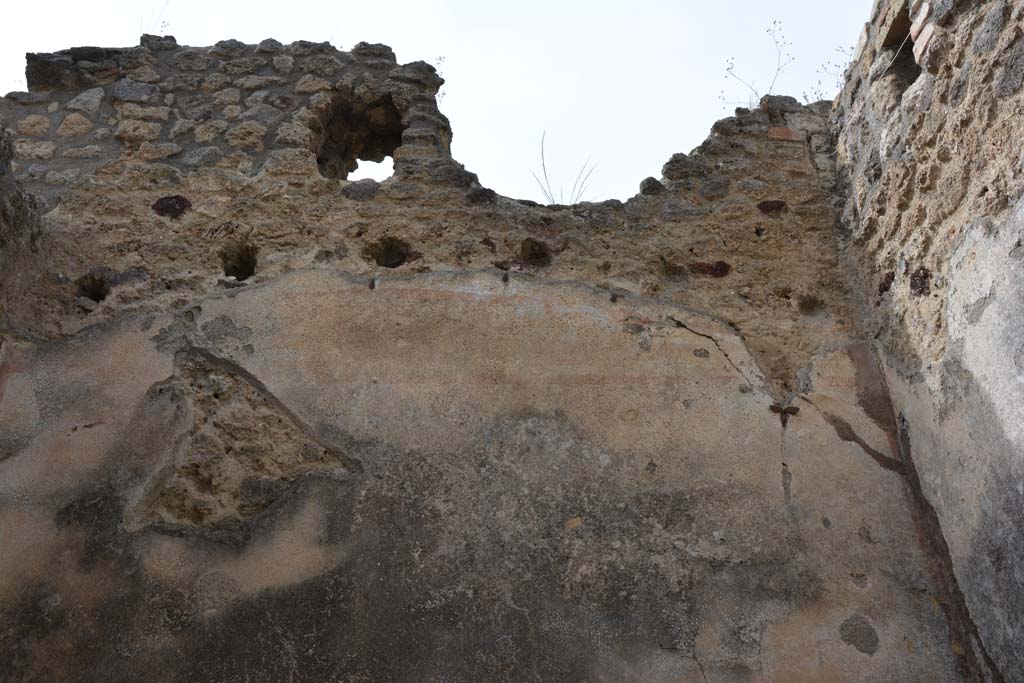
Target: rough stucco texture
column 470, row 497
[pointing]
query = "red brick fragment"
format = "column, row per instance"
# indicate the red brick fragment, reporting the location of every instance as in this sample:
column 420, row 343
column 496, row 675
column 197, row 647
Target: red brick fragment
column 787, row 134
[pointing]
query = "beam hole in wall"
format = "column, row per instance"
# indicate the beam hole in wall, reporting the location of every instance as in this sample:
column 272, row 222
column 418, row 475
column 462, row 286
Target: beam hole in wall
column 238, row 258
column 93, row 286
column 899, row 46
column 388, row 252
column 359, row 131
column 534, row 252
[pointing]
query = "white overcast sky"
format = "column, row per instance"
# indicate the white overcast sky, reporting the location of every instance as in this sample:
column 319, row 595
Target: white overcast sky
column 625, row 83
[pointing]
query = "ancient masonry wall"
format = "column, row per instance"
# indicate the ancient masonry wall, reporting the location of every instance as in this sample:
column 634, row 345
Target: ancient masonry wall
column 928, row 130
column 257, row 140
column 717, row 488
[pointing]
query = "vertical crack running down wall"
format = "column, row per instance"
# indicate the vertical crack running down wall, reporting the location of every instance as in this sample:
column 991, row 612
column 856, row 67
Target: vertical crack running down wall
column 875, row 399
column 977, row 666
column 931, row 183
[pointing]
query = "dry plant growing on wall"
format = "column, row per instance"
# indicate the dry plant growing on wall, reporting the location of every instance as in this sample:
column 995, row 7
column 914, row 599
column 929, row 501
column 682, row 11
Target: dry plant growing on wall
column 832, row 76
column 579, row 187
column 439, row 64
column 156, row 22
column 783, row 58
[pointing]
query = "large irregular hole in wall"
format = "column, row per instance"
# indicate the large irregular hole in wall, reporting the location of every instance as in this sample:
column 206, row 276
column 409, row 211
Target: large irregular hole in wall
column 898, row 47
column 359, row 131
column 374, row 170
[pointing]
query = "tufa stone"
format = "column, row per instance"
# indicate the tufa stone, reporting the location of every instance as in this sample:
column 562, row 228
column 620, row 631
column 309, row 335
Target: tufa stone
column 34, row 125
column 243, row 66
column 227, row 96
column 310, row 84
column 74, row 124
column 131, row 131
column 87, row 152
column 284, row 162
column 181, row 127
column 131, row 110
column 264, row 113
column 320, row 65
column 294, row 134
column 30, row 149
column 248, row 136
column 283, row 63
column 150, row 151
column 257, row 82
column 205, row 132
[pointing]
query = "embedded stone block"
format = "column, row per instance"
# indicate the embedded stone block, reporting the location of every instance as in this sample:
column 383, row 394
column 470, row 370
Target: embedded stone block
column 34, row 125
column 87, row 152
column 311, row 84
column 921, row 16
column 257, row 82
column 163, row 150
column 88, row 102
column 921, row 45
column 248, row 136
column 32, row 149
column 130, row 110
column 205, row 132
column 283, row 63
column 128, row 90
column 74, row 124
column 131, row 131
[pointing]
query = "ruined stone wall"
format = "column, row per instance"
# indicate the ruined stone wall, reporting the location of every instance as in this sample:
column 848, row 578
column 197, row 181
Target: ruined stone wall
column 257, row 140
column 928, row 130
column 232, row 106
column 307, row 428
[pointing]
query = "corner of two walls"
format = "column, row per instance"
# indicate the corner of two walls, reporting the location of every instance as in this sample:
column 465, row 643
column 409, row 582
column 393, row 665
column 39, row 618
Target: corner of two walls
column 20, row 221
column 928, row 137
